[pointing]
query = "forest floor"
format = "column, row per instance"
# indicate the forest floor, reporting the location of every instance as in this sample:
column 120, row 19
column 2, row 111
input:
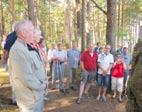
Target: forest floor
column 59, row 102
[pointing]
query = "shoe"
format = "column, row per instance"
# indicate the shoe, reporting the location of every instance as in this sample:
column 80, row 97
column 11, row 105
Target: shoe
column 73, row 88
column 46, row 99
column 86, row 96
column 98, row 98
column 78, row 101
column 63, row 91
column 67, row 91
column 114, row 96
column 13, row 103
column 120, row 99
column 104, row 98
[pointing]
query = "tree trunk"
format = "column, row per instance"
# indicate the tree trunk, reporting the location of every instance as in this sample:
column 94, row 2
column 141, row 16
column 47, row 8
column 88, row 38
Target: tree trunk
column 118, row 24
column 134, row 103
column 2, row 20
column 83, row 31
column 111, row 23
column 88, row 32
column 31, row 12
column 122, row 19
column 67, row 22
column 12, row 11
column 75, row 21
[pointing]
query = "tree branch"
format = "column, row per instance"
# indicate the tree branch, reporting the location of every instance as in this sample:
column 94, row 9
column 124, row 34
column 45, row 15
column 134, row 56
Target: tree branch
column 96, row 5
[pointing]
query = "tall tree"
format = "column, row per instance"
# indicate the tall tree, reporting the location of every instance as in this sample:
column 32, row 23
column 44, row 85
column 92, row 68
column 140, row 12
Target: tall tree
column 67, row 22
column 88, row 31
column 83, row 32
column 12, row 11
column 2, row 19
column 111, row 23
column 31, row 12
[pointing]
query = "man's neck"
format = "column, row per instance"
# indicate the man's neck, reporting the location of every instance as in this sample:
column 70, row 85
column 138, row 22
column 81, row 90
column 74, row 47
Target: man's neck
column 21, row 40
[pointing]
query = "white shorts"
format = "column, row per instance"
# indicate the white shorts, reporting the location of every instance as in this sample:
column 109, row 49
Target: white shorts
column 117, row 84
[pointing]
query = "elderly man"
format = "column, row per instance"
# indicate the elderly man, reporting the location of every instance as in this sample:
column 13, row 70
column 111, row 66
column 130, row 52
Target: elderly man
column 73, row 62
column 59, row 58
column 127, row 59
column 88, row 62
column 105, row 62
column 50, row 55
column 27, row 70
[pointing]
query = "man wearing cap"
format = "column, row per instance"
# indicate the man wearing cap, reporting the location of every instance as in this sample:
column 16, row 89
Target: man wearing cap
column 59, row 58
column 50, row 55
column 73, row 62
column 127, row 59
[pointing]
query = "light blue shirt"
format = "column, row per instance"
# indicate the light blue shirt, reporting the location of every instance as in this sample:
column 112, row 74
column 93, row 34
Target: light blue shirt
column 73, row 57
column 127, row 58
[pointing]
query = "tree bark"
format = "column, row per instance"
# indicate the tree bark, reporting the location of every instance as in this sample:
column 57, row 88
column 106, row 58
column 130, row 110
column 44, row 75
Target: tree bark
column 67, row 22
column 88, row 31
column 83, row 32
column 111, row 23
column 134, row 103
column 12, row 11
column 2, row 20
column 31, row 12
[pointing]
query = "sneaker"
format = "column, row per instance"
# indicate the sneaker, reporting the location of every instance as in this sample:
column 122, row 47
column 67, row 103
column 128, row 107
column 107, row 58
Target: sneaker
column 63, row 91
column 13, row 103
column 104, row 98
column 73, row 88
column 86, row 96
column 46, row 98
column 78, row 101
column 114, row 96
column 98, row 98
column 67, row 91
column 120, row 99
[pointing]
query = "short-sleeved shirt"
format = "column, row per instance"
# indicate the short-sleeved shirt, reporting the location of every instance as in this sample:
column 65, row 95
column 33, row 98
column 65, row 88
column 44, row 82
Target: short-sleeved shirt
column 127, row 58
column 118, row 71
column 73, row 57
column 50, row 54
column 62, row 55
column 90, row 62
column 11, row 38
column 105, row 60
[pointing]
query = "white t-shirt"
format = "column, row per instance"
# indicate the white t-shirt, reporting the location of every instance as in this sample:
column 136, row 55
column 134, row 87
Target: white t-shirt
column 50, row 54
column 62, row 55
column 105, row 60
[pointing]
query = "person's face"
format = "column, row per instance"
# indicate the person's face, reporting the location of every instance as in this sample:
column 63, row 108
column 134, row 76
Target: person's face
column 53, row 46
column 29, row 34
column 119, row 59
column 74, row 44
column 59, row 47
column 90, row 48
column 107, row 49
column 125, row 50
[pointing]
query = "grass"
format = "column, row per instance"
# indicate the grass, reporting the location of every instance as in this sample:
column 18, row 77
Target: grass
column 4, row 76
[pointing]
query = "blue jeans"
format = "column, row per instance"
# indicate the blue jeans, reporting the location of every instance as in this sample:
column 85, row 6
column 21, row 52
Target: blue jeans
column 58, row 74
column 103, row 80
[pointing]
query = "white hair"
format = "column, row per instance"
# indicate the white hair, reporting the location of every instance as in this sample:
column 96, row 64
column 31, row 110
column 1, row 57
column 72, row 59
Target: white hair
column 22, row 25
column 37, row 31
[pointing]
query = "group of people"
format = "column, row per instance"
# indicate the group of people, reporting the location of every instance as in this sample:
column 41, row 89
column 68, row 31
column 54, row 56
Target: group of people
column 28, row 60
column 110, row 70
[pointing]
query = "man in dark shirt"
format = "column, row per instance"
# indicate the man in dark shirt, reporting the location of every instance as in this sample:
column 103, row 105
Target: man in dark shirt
column 11, row 38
